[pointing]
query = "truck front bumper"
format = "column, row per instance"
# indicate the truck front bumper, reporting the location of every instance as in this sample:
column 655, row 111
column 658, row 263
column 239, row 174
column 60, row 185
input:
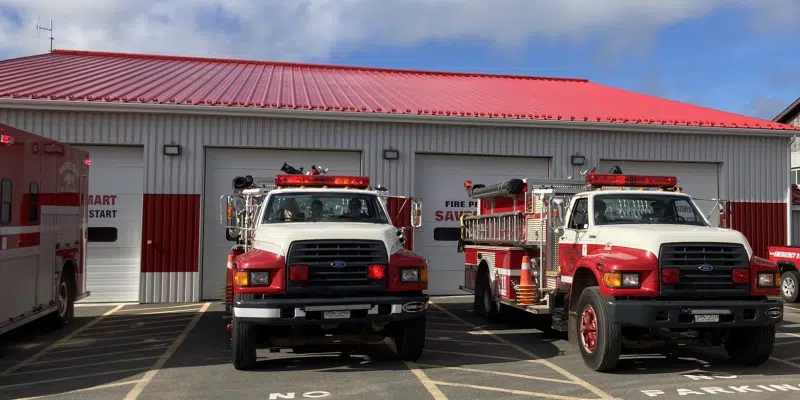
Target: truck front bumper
column 316, row 311
column 688, row 314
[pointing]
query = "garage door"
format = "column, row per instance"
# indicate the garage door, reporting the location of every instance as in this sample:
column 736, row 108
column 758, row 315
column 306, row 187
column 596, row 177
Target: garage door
column 697, row 179
column 440, row 186
column 116, row 185
column 222, row 165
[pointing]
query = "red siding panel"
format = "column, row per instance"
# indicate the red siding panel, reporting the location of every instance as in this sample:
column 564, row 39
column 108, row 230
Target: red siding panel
column 171, row 233
column 400, row 212
column 764, row 224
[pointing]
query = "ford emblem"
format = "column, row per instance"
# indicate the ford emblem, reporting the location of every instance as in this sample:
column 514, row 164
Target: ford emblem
column 338, row 264
column 774, row 312
column 706, row 267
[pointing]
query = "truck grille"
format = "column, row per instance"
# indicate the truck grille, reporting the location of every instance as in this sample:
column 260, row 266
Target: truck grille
column 319, row 256
column 688, row 257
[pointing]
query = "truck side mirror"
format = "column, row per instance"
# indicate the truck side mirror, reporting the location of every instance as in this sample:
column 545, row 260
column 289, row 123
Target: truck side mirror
column 556, row 214
column 416, row 213
column 228, row 216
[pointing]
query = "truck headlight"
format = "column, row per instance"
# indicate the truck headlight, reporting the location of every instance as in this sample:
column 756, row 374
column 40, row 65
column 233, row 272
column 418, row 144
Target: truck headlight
column 621, row 280
column 259, row 278
column 768, row 280
column 409, row 275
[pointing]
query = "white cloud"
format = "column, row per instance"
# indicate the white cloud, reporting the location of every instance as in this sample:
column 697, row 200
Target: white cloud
column 310, row 30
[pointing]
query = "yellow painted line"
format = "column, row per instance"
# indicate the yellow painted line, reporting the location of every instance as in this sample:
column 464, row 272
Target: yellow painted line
column 60, row 342
column 425, row 381
column 787, row 362
column 72, row 378
column 39, row 371
column 791, row 359
column 483, row 371
column 162, row 308
column 113, row 353
column 790, row 334
column 456, row 353
column 84, row 348
column 447, row 331
column 588, row 386
column 512, row 391
column 785, row 343
column 138, row 320
column 98, row 387
column 148, row 377
column 468, row 342
column 182, row 311
column 442, row 324
column 493, row 332
column 149, row 328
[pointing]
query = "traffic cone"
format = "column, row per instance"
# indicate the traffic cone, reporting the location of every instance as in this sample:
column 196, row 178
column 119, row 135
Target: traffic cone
column 231, row 257
column 526, row 289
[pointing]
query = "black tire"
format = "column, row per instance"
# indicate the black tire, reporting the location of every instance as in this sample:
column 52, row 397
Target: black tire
column 243, row 342
column 483, row 303
column 603, row 353
column 65, row 302
column 410, row 339
column 790, row 286
column 752, row 345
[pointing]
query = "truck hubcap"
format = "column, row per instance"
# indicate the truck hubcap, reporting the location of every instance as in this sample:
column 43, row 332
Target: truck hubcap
column 788, row 286
column 63, row 297
column 589, row 329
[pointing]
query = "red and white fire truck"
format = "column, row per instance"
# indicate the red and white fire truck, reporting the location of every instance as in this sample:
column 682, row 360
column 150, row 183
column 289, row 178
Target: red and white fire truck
column 318, row 261
column 621, row 263
column 43, row 226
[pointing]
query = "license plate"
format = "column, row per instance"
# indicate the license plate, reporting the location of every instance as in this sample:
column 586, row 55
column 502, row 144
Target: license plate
column 706, row 318
column 336, row 314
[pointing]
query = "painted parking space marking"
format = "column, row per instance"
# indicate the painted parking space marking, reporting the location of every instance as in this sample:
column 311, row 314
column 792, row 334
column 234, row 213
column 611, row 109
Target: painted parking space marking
column 495, row 335
column 499, row 373
column 104, row 345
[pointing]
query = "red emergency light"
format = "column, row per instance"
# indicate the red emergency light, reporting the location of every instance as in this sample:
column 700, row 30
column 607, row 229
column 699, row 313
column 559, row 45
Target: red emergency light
column 631, row 180
column 361, row 182
column 6, row 139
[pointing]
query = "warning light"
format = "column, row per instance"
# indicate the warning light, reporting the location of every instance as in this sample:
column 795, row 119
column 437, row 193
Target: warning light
column 631, row 180
column 361, row 182
column 467, row 185
column 6, row 139
column 88, row 162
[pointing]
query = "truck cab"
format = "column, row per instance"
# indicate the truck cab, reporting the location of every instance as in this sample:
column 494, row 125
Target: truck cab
column 319, row 261
column 625, row 262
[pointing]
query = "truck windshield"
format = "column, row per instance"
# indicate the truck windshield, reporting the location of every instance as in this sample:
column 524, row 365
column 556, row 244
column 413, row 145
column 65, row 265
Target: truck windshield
column 324, row 207
column 616, row 209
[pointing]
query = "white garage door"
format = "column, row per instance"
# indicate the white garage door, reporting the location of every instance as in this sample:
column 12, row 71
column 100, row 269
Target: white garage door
column 697, row 179
column 116, row 186
column 440, row 186
column 222, row 165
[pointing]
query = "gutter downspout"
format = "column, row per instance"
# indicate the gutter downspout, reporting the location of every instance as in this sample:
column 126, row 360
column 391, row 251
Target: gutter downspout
column 789, row 194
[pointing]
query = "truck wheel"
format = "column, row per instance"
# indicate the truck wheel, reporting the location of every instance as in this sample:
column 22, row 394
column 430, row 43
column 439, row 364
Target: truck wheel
column 65, row 303
column 485, row 304
column 244, row 345
column 751, row 345
column 790, row 282
column 410, row 340
column 600, row 340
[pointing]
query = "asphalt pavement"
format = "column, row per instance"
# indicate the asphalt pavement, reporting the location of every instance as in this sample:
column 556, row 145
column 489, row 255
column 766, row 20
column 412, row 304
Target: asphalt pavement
column 181, row 351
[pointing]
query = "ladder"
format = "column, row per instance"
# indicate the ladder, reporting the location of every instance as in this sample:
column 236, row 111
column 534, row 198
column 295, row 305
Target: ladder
column 505, row 228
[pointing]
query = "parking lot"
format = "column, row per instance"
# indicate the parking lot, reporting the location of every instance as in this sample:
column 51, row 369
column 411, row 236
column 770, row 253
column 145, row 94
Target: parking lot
column 181, row 352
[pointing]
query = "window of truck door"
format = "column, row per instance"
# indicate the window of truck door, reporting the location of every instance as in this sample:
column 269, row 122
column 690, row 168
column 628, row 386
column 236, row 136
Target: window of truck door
column 569, row 250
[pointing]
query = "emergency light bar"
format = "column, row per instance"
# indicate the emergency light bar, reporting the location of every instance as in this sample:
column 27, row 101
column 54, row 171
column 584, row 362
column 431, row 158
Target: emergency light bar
column 361, row 182
column 6, row 139
column 631, row 180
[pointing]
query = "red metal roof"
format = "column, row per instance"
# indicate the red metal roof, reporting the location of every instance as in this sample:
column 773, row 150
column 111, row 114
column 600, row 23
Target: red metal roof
column 154, row 79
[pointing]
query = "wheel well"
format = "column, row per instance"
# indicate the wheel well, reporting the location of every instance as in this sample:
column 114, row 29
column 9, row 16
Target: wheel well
column 784, row 266
column 583, row 278
column 69, row 271
column 483, row 270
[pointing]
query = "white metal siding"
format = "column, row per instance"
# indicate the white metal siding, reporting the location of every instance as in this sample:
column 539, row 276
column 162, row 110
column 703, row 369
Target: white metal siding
column 113, row 269
column 440, row 186
column 222, row 165
column 753, row 168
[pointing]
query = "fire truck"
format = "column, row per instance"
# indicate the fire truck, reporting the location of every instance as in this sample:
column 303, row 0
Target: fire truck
column 622, row 263
column 317, row 260
column 43, row 228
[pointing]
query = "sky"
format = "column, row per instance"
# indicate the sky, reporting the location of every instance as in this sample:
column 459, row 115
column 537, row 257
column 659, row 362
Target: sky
column 734, row 55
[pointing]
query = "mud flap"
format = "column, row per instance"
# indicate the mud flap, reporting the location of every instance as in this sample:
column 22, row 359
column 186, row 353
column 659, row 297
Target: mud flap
column 572, row 326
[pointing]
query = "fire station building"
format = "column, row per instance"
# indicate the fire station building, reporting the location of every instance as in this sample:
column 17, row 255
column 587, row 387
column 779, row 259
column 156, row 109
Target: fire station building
column 167, row 134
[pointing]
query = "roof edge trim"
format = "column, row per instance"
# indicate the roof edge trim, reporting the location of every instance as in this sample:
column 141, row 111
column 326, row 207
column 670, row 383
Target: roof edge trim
column 86, row 106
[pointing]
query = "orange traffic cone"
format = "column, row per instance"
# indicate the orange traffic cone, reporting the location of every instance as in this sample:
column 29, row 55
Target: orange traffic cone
column 526, row 290
column 229, row 265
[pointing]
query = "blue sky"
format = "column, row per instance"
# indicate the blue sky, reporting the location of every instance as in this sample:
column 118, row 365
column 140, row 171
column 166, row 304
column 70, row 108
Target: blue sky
column 734, row 55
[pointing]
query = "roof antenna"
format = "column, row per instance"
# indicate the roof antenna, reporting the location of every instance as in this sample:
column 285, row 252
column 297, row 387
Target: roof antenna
column 39, row 28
